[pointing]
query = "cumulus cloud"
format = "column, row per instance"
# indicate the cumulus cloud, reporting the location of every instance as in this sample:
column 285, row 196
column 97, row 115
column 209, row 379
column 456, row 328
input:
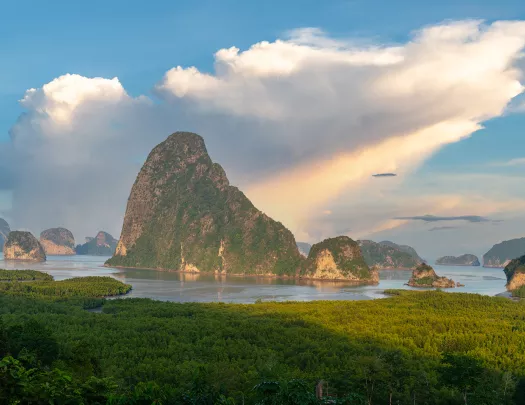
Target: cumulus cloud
column 296, row 122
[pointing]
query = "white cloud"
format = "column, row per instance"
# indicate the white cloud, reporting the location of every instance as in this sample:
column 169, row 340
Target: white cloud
column 297, row 122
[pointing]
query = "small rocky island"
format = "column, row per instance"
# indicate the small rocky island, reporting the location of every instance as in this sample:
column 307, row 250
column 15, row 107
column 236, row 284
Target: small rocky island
column 4, row 231
column 22, row 245
column 338, row 258
column 515, row 272
column 388, row 255
column 101, row 245
column 58, row 241
column 425, row 276
column 463, row 260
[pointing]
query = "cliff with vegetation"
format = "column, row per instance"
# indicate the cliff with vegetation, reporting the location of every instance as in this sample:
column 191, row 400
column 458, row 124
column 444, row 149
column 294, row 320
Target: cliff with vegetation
column 4, row 231
column 463, row 260
column 23, row 246
column 101, row 245
column 502, row 253
column 183, row 215
column 338, row 258
column 58, row 241
column 425, row 276
column 403, row 248
column 515, row 272
column 387, row 256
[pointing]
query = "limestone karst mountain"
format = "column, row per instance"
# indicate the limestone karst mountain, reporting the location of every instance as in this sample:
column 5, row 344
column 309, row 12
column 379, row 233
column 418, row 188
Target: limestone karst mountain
column 21, row 245
column 58, row 241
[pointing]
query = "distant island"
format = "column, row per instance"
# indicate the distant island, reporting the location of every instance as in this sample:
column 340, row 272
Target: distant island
column 388, row 255
column 58, row 241
column 502, row 253
column 463, row 260
column 425, row 276
column 184, row 215
column 304, row 248
column 21, row 245
column 101, row 245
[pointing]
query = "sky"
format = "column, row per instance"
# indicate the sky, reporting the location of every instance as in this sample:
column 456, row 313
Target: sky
column 303, row 103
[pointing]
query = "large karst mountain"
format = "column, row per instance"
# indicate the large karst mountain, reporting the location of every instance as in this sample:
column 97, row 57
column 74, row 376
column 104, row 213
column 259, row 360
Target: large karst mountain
column 183, row 215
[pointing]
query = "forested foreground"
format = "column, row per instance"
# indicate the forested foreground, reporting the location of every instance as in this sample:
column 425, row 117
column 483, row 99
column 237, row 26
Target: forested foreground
column 413, row 348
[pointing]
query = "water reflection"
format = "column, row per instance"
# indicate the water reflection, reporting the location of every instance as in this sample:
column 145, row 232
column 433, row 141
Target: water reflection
column 195, row 287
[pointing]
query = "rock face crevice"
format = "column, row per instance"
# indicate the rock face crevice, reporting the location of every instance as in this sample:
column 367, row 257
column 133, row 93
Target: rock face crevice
column 182, row 214
column 22, row 245
column 425, row 276
column 338, row 258
column 58, row 241
column 463, row 260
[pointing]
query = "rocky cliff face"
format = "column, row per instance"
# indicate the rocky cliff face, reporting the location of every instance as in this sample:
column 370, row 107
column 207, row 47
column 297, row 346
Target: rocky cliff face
column 502, row 253
column 101, row 245
column 23, row 246
column 58, row 241
column 515, row 272
column 183, row 214
column 425, row 276
column 463, row 260
column 380, row 256
column 4, row 231
column 338, row 258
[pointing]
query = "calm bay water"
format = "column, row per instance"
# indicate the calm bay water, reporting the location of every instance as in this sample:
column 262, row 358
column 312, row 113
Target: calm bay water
column 171, row 286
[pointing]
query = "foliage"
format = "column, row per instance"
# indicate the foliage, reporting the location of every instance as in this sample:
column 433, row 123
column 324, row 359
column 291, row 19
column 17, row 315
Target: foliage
column 23, row 275
column 519, row 292
column 74, row 287
column 413, row 348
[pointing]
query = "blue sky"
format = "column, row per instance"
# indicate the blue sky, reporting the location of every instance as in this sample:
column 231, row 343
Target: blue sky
column 138, row 42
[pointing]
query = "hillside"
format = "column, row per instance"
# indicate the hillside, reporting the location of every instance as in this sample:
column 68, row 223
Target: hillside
column 502, row 253
column 463, row 260
column 101, row 245
column 387, row 256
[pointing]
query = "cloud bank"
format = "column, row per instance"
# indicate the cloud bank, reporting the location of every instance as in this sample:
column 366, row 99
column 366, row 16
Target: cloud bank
column 433, row 218
column 297, row 123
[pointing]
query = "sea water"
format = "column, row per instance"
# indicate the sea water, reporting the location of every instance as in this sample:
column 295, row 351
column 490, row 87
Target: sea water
column 180, row 287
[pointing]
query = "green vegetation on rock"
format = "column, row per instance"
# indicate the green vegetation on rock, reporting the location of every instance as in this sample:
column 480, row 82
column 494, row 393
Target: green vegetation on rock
column 182, row 214
column 502, row 253
column 463, row 260
column 515, row 273
column 102, row 245
column 58, row 241
column 427, row 347
column 387, row 255
column 425, row 276
column 404, row 248
column 337, row 259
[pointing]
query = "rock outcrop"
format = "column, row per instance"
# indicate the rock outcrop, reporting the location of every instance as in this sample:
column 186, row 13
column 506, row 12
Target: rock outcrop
column 515, row 272
column 425, row 276
column 23, row 246
column 404, row 248
column 304, row 248
column 501, row 254
column 101, row 245
column 338, row 258
column 463, row 260
column 4, row 231
column 58, row 241
column 387, row 256
column 183, row 215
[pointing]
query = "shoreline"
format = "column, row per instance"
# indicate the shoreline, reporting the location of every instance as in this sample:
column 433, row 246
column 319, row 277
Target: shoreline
column 271, row 276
